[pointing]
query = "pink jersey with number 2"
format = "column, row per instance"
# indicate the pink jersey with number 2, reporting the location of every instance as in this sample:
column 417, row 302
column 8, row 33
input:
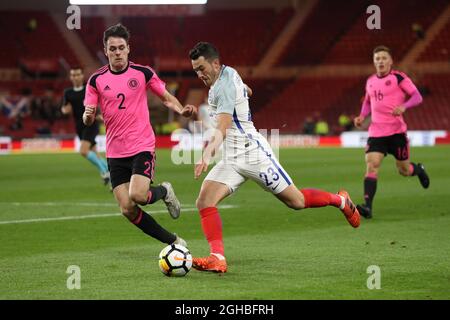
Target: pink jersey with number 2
column 122, row 97
column 383, row 94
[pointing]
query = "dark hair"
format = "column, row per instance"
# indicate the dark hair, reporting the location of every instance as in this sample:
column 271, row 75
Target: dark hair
column 205, row 49
column 77, row 68
column 382, row 48
column 118, row 31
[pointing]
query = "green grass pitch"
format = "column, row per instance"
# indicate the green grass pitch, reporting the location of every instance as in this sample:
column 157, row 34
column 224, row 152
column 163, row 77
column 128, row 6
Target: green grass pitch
column 273, row 252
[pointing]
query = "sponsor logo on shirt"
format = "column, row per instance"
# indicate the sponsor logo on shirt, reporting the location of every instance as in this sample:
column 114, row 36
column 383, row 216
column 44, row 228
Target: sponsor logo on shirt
column 106, row 88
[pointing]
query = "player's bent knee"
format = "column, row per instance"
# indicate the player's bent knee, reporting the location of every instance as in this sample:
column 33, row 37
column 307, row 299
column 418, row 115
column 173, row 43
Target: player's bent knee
column 292, row 198
column 84, row 153
column 296, row 204
column 138, row 197
column 202, row 203
column 372, row 167
column 129, row 213
column 373, row 164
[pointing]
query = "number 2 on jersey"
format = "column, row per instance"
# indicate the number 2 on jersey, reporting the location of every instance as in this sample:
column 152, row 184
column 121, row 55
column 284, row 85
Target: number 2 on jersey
column 121, row 95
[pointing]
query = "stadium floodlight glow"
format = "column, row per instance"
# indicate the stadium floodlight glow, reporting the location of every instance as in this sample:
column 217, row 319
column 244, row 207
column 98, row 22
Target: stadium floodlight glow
column 135, row 2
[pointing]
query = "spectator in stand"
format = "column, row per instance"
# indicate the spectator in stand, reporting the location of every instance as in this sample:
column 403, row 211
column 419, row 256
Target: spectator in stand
column 418, row 30
column 46, row 107
column 32, row 25
column 322, row 128
column 309, row 125
column 345, row 123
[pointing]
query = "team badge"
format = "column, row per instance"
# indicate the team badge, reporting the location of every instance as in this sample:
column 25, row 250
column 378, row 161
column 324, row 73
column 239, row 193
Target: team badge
column 388, row 83
column 133, row 83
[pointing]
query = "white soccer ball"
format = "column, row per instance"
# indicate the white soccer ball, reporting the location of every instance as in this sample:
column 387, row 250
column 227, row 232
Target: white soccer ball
column 175, row 260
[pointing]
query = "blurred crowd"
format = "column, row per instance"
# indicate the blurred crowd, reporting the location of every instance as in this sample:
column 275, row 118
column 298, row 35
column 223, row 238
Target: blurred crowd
column 17, row 107
column 317, row 125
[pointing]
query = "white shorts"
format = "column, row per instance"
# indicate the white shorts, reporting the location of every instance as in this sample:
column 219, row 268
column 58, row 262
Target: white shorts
column 267, row 172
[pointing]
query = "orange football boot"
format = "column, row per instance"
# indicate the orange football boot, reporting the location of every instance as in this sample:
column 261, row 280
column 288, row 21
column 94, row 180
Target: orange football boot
column 350, row 211
column 211, row 263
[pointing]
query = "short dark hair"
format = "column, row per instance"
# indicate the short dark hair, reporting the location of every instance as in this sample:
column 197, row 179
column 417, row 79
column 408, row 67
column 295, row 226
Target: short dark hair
column 205, row 49
column 76, row 68
column 382, row 48
column 118, row 31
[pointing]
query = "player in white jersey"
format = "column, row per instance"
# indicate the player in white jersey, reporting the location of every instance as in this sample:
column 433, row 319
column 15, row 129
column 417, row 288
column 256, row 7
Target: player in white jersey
column 246, row 155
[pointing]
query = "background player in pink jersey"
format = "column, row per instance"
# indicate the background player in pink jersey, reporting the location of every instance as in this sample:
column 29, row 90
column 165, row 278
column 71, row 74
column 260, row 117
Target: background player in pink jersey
column 389, row 93
column 120, row 89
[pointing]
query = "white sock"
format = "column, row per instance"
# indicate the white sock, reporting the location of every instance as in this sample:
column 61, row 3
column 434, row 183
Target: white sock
column 342, row 202
column 218, row 255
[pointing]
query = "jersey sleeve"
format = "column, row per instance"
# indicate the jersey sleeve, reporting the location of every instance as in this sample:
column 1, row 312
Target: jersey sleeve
column 365, row 109
column 408, row 86
column 156, row 85
column 91, row 96
column 226, row 99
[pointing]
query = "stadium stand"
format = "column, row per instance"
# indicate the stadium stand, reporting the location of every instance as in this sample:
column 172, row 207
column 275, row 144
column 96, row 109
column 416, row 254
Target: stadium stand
column 237, row 41
column 91, row 33
column 334, row 35
column 35, row 41
column 303, row 98
column 434, row 112
column 264, row 91
column 439, row 49
column 356, row 45
column 328, row 21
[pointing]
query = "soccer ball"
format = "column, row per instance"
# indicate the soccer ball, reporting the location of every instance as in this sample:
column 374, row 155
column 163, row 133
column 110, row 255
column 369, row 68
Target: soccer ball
column 175, row 260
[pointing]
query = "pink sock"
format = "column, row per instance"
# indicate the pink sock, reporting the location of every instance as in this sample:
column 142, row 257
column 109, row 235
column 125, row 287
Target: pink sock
column 149, row 196
column 212, row 228
column 315, row 198
column 411, row 169
column 373, row 176
column 138, row 218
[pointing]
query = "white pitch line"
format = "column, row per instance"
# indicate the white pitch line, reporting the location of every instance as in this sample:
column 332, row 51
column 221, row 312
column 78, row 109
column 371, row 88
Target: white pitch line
column 56, row 204
column 104, row 215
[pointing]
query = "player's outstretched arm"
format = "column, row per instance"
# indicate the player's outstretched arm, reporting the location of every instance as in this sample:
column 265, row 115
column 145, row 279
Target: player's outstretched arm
column 89, row 115
column 172, row 103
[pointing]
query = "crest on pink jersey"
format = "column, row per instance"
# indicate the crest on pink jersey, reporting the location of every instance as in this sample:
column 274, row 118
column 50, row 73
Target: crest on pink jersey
column 133, row 83
column 388, row 83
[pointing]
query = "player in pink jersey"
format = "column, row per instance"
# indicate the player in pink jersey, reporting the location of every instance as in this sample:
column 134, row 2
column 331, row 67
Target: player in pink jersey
column 389, row 93
column 119, row 88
